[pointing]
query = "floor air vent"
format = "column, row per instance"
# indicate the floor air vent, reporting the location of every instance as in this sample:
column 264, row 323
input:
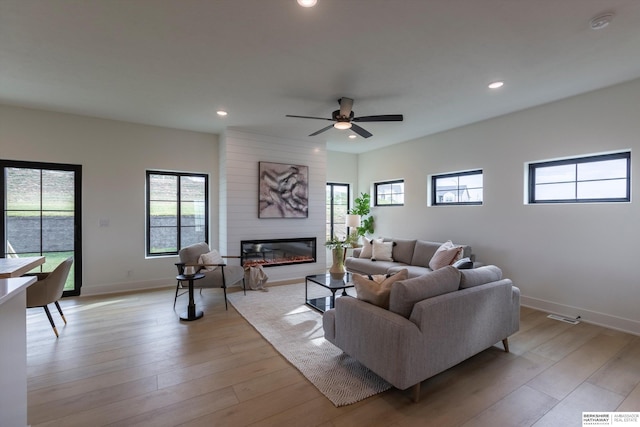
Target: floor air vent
column 564, row 319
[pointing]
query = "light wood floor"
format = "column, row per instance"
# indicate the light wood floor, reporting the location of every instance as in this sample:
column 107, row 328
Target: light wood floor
column 126, row 360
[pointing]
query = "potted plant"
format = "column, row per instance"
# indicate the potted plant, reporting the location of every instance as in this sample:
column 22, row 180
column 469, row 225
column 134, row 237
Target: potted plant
column 363, row 209
column 338, row 252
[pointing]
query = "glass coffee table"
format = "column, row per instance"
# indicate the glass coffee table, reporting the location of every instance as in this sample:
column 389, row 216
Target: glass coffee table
column 327, row 281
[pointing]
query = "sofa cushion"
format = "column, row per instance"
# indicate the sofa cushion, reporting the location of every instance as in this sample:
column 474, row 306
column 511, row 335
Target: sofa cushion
column 367, row 248
column 403, row 250
column 414, row 270
column 382, row 251
column 446, row 254
column 375, row 289
column 423, row 252
column 406, row 293
column 479, row 276
column 366, row 266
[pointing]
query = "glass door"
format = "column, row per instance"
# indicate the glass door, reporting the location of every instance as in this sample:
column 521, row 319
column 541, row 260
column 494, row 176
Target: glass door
column 41, row 215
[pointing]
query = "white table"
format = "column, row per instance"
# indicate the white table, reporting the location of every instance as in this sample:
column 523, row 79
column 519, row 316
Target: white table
column 13, row 352
column 16, row 267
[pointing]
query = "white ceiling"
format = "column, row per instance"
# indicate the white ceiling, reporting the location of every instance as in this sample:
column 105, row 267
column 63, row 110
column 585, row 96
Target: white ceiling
column 175, row 62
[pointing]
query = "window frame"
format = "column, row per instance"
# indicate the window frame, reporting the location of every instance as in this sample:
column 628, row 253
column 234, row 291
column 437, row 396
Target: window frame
column 434, row 188
column 331, row 220
column 533, row 166
column 390, row 182
column 75, row 275
column 178, row 225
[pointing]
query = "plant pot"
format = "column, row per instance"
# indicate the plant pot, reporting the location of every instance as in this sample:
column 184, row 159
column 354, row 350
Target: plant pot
column 338, row 255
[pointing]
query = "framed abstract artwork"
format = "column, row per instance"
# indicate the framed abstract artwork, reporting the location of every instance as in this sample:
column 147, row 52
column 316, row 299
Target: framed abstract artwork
column 283, row 190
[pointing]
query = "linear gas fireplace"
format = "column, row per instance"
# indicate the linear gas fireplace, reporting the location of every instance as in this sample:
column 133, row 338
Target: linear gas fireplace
column 278, row 252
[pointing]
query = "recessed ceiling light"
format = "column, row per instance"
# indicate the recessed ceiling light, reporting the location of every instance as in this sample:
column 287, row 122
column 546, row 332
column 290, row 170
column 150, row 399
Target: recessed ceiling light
column 307, row 3
column 221, row 113
column 496, row 85
column 601, row 21
column 352, row 136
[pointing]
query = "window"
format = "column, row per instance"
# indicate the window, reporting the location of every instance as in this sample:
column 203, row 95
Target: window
column 601, row 178
column 458, row 188
column 42, row 215
column 337, row 208
column 177, row 211
column 389, row 193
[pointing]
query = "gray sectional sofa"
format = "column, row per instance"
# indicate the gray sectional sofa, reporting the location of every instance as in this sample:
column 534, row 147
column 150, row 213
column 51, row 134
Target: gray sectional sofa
column 412, row 254
column 433, row 322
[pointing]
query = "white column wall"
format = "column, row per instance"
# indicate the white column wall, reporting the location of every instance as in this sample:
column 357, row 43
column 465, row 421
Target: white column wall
column 243, row 152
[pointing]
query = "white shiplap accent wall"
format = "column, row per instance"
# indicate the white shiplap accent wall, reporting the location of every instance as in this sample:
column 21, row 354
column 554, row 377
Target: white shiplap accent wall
column 240, row 154
column 222, row 198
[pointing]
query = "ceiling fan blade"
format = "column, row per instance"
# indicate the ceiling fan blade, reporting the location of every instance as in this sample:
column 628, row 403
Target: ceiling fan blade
column 309, row 117
column 362, row 132
column 346, row 104
column 382, row 118
column 321, row 130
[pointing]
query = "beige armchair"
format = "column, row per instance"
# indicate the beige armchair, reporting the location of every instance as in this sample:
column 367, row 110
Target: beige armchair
column 48, row 289
column 222, row 276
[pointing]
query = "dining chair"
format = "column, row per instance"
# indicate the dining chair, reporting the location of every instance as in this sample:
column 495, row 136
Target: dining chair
column 48, row 289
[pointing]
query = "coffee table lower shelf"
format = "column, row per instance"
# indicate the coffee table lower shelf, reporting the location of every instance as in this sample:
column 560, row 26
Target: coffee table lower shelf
column 321, row 304
column 330, row 282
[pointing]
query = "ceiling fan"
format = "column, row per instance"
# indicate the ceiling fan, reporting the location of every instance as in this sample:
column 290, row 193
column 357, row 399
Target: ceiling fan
column 344, row 119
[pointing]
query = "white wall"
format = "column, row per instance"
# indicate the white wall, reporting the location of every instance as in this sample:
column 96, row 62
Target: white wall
column 114, row 157
column 570, row 259
column 242, row 153
column 343, row 168
column 576, row 260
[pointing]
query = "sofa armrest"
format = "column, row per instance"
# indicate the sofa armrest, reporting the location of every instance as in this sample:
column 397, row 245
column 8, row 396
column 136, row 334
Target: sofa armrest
column 381, row 340
column 467, row 321
column 355, row 317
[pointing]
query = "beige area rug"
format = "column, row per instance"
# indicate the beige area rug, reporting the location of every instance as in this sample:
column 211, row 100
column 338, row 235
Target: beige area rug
column 295, row 330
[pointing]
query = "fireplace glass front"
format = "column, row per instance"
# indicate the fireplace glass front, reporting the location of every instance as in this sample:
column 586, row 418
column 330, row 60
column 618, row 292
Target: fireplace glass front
column 278, row 252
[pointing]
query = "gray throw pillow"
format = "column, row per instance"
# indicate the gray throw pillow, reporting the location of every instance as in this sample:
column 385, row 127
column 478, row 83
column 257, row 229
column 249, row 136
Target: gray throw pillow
column 480, row 276
column 406, row 293
column 463, row 264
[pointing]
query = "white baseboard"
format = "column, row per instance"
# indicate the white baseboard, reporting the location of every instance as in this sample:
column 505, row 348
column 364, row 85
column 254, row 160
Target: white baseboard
column 113, row 288
column 601, row 319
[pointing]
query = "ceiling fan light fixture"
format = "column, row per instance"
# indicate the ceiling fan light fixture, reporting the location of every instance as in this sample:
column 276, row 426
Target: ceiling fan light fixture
column 342, row 125
column 307, row 3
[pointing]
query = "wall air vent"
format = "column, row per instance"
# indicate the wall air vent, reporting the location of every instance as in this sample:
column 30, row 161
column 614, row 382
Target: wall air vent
column 564, row 319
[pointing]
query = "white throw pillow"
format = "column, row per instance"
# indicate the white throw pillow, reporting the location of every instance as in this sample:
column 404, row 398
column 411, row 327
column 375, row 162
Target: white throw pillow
column 446, row 254
column 367, row 248
column 212, row 257
column 382, row 251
